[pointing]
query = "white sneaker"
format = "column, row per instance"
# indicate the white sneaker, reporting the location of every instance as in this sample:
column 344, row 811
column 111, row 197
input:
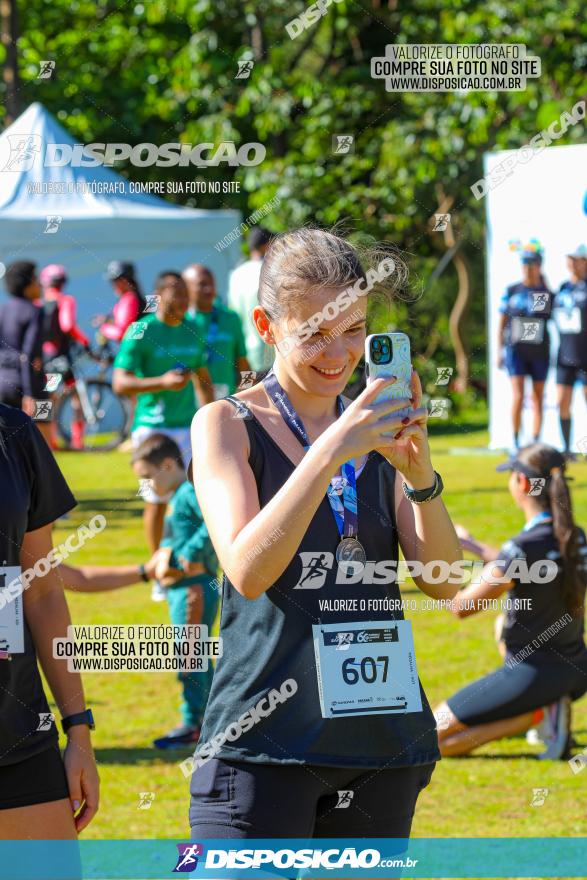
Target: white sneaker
column 545, row 731
column 157, row 592
column 559, row 721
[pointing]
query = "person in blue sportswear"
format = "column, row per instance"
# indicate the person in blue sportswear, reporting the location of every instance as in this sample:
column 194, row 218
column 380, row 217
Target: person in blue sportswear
column 570, row 315
column 523, row 341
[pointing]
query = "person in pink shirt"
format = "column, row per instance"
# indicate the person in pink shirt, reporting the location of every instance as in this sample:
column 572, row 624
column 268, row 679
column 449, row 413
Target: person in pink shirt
column 53, row 279
column 59, row 331
column 131, row 302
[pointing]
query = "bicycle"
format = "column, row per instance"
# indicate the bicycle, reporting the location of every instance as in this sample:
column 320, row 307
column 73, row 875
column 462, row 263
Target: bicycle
column 106, row 417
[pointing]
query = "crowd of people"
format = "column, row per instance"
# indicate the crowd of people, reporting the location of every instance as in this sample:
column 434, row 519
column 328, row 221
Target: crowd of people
column 527, row 309
column 312, row 470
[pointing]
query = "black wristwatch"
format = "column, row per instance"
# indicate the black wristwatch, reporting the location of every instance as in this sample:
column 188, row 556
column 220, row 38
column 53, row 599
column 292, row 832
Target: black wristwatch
column 143, row 574
column 421, row 496
column 79, row 718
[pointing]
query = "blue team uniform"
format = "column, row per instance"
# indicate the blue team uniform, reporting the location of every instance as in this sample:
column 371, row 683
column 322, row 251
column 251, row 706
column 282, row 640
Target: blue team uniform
column 527, row 340
column 570, row 315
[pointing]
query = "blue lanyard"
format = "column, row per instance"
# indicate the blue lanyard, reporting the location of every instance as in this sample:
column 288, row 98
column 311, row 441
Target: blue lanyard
column 345, row 512
column 543, row 516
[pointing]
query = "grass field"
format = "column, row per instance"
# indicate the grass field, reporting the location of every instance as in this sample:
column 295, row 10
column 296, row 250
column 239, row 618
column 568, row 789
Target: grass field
column 486, row 795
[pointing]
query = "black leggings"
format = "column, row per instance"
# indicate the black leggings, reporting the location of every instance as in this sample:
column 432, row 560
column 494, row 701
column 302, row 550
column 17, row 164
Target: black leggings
column 517, row 690
column 237, row 799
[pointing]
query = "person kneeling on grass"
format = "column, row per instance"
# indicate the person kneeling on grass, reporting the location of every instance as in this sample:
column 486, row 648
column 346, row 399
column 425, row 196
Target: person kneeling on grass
column 545, row 664
column 186, row 567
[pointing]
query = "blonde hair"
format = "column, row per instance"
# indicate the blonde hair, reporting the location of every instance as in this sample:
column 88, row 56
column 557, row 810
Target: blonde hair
column 306, row 260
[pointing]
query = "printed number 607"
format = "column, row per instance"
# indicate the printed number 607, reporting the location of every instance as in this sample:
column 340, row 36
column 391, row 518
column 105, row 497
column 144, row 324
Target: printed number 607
column 367, row 669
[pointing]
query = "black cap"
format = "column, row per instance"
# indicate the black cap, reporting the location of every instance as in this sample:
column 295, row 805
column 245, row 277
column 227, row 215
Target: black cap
column 514, row 464
column 119, row 269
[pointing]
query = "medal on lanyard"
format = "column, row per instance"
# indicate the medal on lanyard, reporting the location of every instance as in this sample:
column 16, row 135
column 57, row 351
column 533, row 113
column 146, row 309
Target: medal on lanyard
column 344, row 506
column 212, row 334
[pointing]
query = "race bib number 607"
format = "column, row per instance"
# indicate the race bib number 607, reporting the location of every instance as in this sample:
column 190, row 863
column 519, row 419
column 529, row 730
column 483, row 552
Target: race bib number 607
column 366, row 668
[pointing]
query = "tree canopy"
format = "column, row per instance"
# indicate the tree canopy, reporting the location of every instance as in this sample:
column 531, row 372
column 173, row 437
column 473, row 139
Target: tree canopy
column 166, row 71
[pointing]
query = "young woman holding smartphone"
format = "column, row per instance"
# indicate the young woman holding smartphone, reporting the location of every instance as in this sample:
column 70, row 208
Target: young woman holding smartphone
column 285, row 473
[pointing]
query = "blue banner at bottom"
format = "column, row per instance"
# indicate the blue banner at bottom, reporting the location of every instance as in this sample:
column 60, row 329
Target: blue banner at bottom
column 291, row 858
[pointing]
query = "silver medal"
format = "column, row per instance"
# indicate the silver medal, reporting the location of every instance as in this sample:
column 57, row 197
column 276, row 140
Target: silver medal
column 350, row 555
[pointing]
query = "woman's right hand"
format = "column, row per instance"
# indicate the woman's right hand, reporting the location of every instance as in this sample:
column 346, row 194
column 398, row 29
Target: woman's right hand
column 175, row 380
column 366, row 425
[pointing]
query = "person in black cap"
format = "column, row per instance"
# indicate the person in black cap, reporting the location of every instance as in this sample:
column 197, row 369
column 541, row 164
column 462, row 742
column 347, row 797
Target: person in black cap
column 131, row 302
column 22, row 380
column 544, row 570
column 523, row 340
column 570, row 315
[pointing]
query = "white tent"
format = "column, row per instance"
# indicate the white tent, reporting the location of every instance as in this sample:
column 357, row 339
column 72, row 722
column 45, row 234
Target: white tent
column 96, row 227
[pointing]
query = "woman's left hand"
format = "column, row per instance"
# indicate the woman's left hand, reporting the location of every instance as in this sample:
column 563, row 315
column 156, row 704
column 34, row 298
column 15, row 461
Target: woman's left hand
column 409, row 451
column 82, row 779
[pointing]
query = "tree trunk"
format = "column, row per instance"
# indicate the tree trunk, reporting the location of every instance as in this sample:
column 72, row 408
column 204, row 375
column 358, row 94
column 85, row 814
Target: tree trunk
column 9, row 25
column 459, row 309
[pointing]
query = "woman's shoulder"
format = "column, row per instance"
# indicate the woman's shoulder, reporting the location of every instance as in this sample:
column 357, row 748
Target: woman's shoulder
column 219, row 410
column 222, row 420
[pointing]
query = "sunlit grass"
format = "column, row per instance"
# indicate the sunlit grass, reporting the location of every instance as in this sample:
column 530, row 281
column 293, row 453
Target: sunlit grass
column 485, row 795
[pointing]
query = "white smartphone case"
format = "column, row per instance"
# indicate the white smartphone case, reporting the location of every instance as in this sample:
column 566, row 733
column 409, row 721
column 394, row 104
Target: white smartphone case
column 400, row 366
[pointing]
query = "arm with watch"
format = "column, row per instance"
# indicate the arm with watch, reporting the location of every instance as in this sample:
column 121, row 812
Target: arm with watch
column 48, row 618
column 101, row 578
column 425, row 530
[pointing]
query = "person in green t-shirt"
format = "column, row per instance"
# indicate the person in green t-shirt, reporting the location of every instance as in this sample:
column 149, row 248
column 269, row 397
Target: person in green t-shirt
column 161, row 361
column 219, row 331
column 187, row 568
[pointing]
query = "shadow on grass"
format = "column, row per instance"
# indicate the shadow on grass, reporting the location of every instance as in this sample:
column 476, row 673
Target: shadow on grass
column 519, row 756
column 123, row 507
column 137, row 756
column 450, row 428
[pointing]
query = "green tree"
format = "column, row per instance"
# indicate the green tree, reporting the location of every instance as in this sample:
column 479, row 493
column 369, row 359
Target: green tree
column 166, row 71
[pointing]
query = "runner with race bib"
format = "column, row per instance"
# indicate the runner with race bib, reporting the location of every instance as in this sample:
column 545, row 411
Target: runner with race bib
column 523, row 340
column 303, row 492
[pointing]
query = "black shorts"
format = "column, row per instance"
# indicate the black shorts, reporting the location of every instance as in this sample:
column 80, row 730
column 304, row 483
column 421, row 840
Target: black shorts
column 35, row 780
column 237, row 799
column 568, row 374
column 508, row 692
column 519, row 364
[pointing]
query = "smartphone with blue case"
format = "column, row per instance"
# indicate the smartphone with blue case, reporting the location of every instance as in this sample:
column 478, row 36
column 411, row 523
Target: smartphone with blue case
column 386, row 355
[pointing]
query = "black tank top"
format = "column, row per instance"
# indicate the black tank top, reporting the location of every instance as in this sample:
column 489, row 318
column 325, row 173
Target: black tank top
column 268, row 641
